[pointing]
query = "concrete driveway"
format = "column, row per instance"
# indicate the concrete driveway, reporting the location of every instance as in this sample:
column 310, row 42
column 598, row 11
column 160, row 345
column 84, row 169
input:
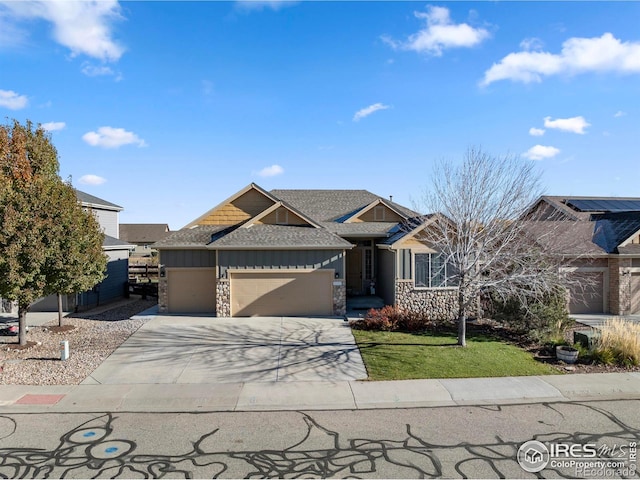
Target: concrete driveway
column 190, row 349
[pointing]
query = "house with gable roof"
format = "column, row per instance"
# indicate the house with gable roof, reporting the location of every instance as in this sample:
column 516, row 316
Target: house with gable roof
column 301, row 252
column 600, row 238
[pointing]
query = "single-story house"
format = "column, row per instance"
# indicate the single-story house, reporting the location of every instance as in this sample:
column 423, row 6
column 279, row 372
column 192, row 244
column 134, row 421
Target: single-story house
column 114, row 285
column 600, row 237
column 301, row 252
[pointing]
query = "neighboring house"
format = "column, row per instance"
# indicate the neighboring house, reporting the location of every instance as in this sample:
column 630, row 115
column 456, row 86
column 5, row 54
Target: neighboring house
column 113, row 286
column 143, row 235
column 600, row 236
column 301, row 252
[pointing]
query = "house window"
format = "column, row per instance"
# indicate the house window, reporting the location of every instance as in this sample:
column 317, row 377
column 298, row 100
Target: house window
column 368, row 264
column 432, row 271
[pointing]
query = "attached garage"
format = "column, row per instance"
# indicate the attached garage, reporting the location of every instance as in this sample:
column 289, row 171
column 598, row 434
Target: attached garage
column 191, row 290
column 587, row 296
column 281, row 293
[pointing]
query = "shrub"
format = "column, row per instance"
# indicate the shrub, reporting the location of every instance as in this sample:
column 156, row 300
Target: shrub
column 391, row 319
column 618, row 343
column 546, row 320
column 384, row 319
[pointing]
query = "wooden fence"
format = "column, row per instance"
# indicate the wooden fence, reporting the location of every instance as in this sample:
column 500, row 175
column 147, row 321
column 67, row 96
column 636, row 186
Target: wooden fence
column 139, row 272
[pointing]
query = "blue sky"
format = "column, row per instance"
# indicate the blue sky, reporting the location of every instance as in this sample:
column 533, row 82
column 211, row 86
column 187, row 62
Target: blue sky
column 167, row 108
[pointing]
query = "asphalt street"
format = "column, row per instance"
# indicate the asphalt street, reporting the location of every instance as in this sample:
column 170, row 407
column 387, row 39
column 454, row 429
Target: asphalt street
column 451, row 442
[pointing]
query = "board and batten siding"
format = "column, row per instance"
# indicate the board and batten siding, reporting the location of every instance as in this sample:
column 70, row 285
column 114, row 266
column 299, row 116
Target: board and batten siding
column 280, row 259
column 404, row 264
column 113, row 286
column 187, row 258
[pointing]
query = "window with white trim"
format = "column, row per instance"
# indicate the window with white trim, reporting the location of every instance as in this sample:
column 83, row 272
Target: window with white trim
column 431, row 271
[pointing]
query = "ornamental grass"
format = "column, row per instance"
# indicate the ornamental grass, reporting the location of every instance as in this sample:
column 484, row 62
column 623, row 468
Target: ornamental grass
column 618, row 343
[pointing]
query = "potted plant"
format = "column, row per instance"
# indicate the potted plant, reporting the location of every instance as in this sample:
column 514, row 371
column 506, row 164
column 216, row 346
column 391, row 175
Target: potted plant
column 566, row 353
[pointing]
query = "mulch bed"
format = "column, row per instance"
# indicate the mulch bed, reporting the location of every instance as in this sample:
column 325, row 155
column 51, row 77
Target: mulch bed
column 60, row 328
column 546, row 353
column 17, row 346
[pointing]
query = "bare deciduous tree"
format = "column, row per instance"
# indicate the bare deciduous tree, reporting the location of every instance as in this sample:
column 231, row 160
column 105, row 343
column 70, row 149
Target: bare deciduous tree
column 484, row 235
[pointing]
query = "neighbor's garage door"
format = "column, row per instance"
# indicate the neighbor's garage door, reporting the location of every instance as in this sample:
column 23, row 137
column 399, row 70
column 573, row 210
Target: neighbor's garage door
column 281, row 293
column 635, row 293
column 588, row 295
column 191, row 290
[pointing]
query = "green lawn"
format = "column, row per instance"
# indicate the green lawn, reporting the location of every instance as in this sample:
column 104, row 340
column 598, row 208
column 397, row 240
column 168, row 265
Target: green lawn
column 402, row 356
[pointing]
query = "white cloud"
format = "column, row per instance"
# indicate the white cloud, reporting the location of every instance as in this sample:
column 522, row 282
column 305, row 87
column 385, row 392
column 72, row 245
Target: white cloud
column 53, row 126
column 439, row 33
column 13, row 101
column 271, row 171
column 578, row 55
column 536, row 132
column 529, row 44
column 85, row 27
column 109, row 137
column 619, row 114
column 100, row 71
column 573, row 124
column 262, row 4
column 365, row 112
column 92, row 180
column 540, row 152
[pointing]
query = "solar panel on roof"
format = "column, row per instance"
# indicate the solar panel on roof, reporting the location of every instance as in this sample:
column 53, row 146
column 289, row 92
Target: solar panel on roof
column 604, row 205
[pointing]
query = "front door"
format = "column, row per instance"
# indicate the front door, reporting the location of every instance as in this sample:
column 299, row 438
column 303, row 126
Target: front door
column 360, row 268
column 354, row 271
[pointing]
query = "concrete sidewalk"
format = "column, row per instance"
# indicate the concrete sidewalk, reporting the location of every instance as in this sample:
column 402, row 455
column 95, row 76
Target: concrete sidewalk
column 352, row 395
column 338, row 394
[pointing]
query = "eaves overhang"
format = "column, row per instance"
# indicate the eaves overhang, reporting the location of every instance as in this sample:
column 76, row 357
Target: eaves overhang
column 275, row 247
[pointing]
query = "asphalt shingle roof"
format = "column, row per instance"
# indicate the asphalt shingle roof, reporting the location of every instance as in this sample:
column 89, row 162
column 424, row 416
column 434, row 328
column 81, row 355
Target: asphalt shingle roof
column 283, row 236
column 114, row 242
column 91, row 200
column 143, row 232
column 374, row 229
column 198, row 236
column 596, row 232
column 322, row 206
column 329, row 205
column 566, row 237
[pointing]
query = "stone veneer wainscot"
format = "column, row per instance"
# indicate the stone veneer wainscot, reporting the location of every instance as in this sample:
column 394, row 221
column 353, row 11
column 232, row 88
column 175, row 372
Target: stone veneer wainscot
column 433, row 303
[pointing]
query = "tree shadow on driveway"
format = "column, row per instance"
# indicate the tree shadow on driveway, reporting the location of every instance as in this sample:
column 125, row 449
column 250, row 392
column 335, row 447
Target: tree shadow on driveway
column 208, row 350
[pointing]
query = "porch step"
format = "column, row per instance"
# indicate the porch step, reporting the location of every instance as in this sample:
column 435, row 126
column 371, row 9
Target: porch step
column 364, row 302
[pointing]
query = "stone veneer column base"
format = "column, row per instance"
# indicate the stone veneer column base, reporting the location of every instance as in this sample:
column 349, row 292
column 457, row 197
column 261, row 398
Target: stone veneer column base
column 223, row 298
column 163, row 295
column 339, row 298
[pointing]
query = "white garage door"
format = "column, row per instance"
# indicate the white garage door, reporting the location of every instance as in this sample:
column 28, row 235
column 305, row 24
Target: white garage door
column 191, row 290
column 281, row 293
column 587, row 296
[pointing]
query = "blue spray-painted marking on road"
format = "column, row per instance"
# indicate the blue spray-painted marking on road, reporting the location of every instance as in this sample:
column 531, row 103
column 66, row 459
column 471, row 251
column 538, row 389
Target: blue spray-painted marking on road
column 89, row 434
column 111, row 449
